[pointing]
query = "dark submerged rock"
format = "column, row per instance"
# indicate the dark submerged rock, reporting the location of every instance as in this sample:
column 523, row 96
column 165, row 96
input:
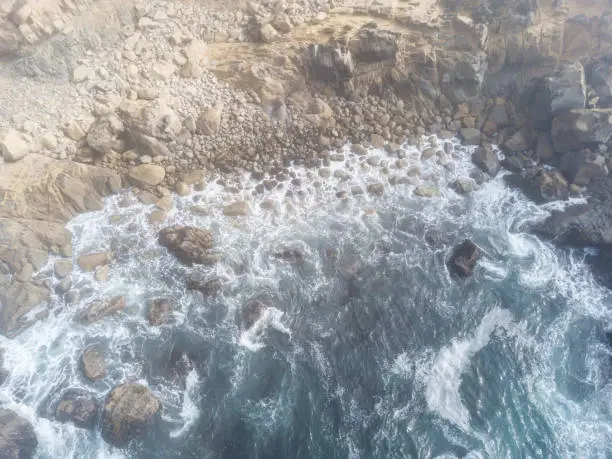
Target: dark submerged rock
column 17, row 437
column 79, row 407
column 486, row 159
column 159, row 312
column 129, row 411
column 93, row 363
column 251, row 312
column 203, row 284
column 464, row 258
column 190, row 245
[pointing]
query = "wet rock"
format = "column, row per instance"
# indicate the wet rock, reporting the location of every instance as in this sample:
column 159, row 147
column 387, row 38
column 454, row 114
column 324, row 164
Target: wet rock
column 159, row 312
column 102, row 273
column 93, row 363
column 463, row 186
column 376, row 189
column 377, row 140
column 563, row 90
column 129, row 411
column 470, row 136
column 237, row 209
column 146, row 175
column 166, row 203
column 550, row 185
column 182, row 189
column 190, row 245
column 324, row 172
column 486, row 159
column 251, row 312
column 358, row 149
column 544, row 147
column 428, row 153
column 17, row 437
column 464, row 258
column 583, row 167
column 17, row 300
column 599, row 77
column 147, row 198
column 101, row 309
column 290, row 255
column 78, row 407
column 92, row 261
column 426, row 192
column 574, row 130
column 204, row 284
column 62, row 268
column 63, row 286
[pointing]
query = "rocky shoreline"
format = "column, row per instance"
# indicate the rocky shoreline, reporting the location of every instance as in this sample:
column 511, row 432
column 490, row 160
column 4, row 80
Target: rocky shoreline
column 144, row 101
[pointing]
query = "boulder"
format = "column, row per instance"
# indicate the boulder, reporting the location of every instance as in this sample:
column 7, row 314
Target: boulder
column 204, row 285
column 544, row 147
column 330, row 63
column 62, row 268
column 93, row 363
column 17, row 300
column 582, row 167
column 13, row 147
column 17, row 437
column 159, row 312
column 464, row 258
column 581, row 128
column 91, row 261
column 599, row 77
column 190, row 245
column 487, row 160
column 267, row 33
column 78, row 407
column 563, row 90
column 463, row 186
column 209, row 121
column 371, row 44
column 146, row 175
column 146, row 145
column 376, row 189
column 470, row 136
column 99, row 310
column 290, row 255
column 236, row 209
column 105, row 134
column 426, row 192
column 129, row 411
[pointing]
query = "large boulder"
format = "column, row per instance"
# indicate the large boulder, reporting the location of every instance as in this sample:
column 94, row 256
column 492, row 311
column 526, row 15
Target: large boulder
column 190, row 245
column 330, row 63
column 487, row 160
column 464, row 258
column 129, row 411
column 563, row 90
column 17, row 437
column 106, row 134
column 91, row 261
column 576, row 129
column 101, row 309
column 582, row 167
column 599, row 77
column 146, row 175
column 78, row 407
column 540, row 185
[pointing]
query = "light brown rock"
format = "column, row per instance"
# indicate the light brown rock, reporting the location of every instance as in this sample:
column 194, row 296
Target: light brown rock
column 91, row 261
column 146, row 175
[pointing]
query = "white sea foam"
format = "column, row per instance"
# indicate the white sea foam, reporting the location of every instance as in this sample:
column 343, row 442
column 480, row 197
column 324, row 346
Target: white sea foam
column 444, row 375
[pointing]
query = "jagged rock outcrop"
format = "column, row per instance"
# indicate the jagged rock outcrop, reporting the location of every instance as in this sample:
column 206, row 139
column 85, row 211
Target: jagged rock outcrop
column 464, row 258
column 189, row 244
column 130, row 410
column 78, row 407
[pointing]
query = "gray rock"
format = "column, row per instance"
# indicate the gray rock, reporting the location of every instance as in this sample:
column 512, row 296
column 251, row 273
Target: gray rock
column 330, row 63
column 99, row 310
column 463, row 186
column 102, row 273
column 17, row 437
column 237, row 209
column 105, row 134
column 486, row 159
column 561, row 91
column 146, row 175
column 377, row 140
column 17, row 300
column 583, row 167
column 358, row 149
column 209, row 120
column 544, row 148
column 373, row 160
column 92, row 261
column 470, row 136
column 464, row 258
column 159, row 312
column 576, row 129
column 426, row 192
column 599, row 77
column 78, row 407
column 189, row 244
column 13, row 147
column 376, row 189
column 428, row 153
column 62, row 268
column 63, row 286
column 129, row 411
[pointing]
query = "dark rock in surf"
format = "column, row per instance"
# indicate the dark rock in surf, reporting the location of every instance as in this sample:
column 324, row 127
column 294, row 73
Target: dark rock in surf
column 78, row 407
column 17, row 437
column 464, row 258
column 93, row 363
column 203, row 284
column 541, row 185
column 579, row 226
column 129, row 411
column 190, row 245
column 251, row 313
column 159, row 312
column 290, row 255
column 486, row 159
column 98, row 310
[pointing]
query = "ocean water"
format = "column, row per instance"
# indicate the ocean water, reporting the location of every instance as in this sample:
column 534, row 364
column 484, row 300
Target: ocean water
column 367, row 349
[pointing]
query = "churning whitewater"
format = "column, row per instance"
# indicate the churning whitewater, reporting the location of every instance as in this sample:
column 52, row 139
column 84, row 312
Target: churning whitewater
column 367, row 348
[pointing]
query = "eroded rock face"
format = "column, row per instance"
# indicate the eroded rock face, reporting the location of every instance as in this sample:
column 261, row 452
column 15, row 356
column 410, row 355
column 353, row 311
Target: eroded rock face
column 189, row 244
column 79, row 407
column 464, row 258
column 17, row 437
column 129, row 411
